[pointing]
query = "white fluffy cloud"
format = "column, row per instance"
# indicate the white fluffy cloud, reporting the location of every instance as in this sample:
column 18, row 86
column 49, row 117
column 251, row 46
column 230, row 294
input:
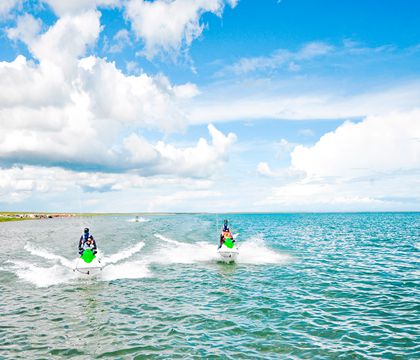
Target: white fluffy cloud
column 74, row 7
column 243, row 101
column 78, row 112
column 378, row 144
column 167, row 25
column 202, row 160
column 82, row 125
column 18, row 183
column 321, row 197
column 72, row 123
column 51, row 82
column 44, row 115
column 143, row 100
column 7, row 5
column 279, row 58
column 373, row 164
column 76, row 190
column 120, row 40
column 264, row 169
column 26, row 29
column 282, row 175
column 180, row 199
column 387, row 193
column 65, row 42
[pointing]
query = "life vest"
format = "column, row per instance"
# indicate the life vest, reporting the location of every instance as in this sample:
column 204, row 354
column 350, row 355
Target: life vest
column 227, row 234
column 87, row 246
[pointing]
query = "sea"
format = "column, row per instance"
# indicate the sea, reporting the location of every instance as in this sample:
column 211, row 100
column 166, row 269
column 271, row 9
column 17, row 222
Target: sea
column 305, row 286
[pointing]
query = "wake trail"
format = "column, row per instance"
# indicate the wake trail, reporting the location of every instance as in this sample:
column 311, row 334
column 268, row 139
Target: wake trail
column 126, row 270
column 139, row 220
column 48, row 255
column 253, row 251
column 168, row 240
column 44, row 275
column 124, row 254
column 57, row 274
column 183, row 253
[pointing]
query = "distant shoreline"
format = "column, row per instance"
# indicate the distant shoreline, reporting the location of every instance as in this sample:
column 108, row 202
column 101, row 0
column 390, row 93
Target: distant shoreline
column 18, row 216
column 21, row 215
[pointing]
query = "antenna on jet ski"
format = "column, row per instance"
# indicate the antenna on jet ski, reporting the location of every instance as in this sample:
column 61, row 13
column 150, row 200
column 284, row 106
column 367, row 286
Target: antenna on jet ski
column 217, row 225
column 83, row 222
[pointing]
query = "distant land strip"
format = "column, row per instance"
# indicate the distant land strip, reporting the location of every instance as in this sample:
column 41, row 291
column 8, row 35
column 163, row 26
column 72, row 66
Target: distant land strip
column 16, row 216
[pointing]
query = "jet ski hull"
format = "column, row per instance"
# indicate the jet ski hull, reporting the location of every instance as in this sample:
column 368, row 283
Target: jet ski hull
column 228, row 255
column 91, row 269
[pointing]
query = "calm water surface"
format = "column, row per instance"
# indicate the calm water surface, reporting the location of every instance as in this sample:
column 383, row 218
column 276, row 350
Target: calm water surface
column 306, row 286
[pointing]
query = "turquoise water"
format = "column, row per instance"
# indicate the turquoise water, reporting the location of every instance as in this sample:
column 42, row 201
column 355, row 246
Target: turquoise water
column 306, row 286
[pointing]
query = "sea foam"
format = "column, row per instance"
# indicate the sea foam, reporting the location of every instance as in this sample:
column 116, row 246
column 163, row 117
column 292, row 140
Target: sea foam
column 251, row 251
column 45, row 274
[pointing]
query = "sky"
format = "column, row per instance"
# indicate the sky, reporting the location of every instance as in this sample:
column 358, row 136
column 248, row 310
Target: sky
column 209, row 105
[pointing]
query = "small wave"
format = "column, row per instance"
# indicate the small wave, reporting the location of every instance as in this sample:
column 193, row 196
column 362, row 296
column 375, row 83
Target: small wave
column 127, row 270
column 124, row 254
column 42, row 276
column 58, row 274
column 184, row 253
column 140, row 220
column 48, row 255
column 168, row 240
column 62, row 271
column 255, row 251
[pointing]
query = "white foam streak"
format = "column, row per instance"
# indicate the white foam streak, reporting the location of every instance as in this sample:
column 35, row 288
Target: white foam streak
column 253, row 251
column 48, row 255
column 57, row 274
column 62, row 271
column 169, row 251
column 168, row 240
column 128, row 270
column 140, row 220
column 183, row 253
column 42, row 276
column 124, row 254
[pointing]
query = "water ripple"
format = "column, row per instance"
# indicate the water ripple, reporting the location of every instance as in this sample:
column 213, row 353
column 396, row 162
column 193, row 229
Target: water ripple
column 312, row 286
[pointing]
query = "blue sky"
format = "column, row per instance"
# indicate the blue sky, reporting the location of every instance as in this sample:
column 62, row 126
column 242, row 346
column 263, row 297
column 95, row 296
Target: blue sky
column 209, row 105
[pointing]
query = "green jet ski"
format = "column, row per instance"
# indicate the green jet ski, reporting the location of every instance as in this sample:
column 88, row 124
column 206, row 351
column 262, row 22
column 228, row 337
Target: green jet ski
column 88, row 263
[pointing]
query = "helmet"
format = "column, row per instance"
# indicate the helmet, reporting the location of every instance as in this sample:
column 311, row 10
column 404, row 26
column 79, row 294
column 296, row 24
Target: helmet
column 86, row 231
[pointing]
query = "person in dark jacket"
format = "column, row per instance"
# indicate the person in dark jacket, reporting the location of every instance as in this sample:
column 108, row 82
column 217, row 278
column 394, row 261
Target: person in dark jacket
column 226, row 233
column 87, row 242
column 225, row 226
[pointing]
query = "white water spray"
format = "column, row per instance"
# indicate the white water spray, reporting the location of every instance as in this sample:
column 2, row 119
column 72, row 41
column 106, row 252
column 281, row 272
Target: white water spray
column 252, row 251
column 124, row 254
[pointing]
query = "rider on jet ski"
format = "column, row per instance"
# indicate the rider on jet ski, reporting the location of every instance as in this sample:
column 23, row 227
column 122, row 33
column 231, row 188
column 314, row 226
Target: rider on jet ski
column 87, row 242
column 225, row 234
